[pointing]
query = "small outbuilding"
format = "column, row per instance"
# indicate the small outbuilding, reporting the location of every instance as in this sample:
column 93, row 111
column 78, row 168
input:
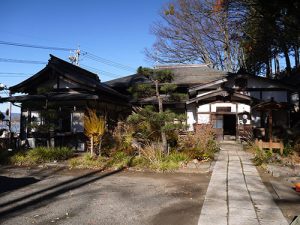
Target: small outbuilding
column 54, row 102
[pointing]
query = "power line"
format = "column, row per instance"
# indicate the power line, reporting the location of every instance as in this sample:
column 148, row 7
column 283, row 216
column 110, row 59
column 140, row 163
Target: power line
column 21, row 61
column 109, row 74
column 88, row 54
column 35, row 46
column 109, row 62
column 17, row 76
column 10, row 73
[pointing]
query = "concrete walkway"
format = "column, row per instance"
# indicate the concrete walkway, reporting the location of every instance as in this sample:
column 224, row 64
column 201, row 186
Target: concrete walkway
column 236, row 194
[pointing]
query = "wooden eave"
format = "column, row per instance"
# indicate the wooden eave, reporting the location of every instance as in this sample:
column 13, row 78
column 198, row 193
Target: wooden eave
column 275, row 82
column 207, row 85
column 223, row 93
column 271, row 105
column 28, row 83
column 87, row 81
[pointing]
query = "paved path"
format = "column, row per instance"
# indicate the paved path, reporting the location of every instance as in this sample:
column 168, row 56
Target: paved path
column 236, row 194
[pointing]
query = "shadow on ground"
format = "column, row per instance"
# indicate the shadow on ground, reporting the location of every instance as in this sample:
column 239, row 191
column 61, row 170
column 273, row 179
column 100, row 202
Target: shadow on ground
column 45, row 196
column 11, row 184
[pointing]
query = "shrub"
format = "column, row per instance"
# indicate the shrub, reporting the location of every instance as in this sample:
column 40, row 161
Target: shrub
column 152, row 153
column 94, row 129
column 288, row 149
column 21, row 159
column 201, row 144
column 261, row 156
column 297, row 148
column 119, row 160
column 41, row 155
column 123, row 136
column 165, row 166
column 86, row 161
column 139, row 162
column 177, row 157
column 153, row 158
column 149, row 124
column 44, row 154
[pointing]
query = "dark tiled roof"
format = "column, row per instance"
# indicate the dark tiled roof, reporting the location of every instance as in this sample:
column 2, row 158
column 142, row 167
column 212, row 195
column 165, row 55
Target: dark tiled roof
column 62, row 67
column 125, row 82
column 69, row 71
column 187, row 75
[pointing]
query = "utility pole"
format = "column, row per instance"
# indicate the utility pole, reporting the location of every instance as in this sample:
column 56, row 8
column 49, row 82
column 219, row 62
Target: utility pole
column 9, row 123
column 74, row 59
column 10, row 108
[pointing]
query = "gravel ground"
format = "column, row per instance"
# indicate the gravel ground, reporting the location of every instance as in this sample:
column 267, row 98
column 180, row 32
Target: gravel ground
column 59, row 196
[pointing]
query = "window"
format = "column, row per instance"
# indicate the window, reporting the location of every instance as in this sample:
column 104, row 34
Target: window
column 35, row 120
column 77, row 124
column 223, row 109
column 218, row 123
column 64, row 121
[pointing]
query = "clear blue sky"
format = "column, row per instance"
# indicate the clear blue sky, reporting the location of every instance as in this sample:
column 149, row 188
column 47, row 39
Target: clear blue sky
column 115, row 30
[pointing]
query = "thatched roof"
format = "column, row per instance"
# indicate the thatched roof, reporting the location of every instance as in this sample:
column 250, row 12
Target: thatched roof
column 184, row 75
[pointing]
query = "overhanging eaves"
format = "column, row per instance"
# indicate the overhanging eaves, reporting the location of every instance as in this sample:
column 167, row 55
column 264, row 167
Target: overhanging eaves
column 207, row 85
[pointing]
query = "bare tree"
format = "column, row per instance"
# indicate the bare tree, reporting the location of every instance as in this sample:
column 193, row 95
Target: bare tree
column 197, row 31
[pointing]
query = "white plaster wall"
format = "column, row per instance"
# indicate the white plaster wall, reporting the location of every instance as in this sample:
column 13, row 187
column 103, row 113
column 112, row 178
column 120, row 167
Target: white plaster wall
column 203, row 118
column 243, row 108
column 191, row 117
column 203, row 108
column 24, row 113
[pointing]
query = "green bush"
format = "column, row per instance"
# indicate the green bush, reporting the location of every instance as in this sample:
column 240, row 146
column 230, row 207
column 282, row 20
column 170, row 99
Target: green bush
column 177, row 157
column 288, row 149
column 152, row 158
column 261, row 156
column 139, row 162
column 41, row 155
column 165, row 166
column 119, row 160
column 201, row 145
column 86, row 161
column 21, row 159
column 44, row 154
column 170, row 162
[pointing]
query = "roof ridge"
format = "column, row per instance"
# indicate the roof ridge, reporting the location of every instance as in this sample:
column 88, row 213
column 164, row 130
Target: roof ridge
column 53, row 57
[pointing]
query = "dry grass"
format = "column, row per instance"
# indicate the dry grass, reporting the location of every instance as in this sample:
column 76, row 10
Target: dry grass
column 201, row 144
column 152, row 157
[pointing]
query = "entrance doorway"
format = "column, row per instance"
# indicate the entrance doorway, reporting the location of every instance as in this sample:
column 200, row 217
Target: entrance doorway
column 229, row 125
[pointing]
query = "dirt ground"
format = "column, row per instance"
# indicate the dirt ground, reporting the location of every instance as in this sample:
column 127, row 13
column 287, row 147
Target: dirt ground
column 283, row 193
column 61, row 196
